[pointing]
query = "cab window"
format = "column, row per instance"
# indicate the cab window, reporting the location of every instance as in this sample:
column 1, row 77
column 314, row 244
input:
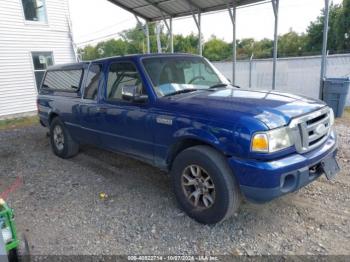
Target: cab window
column 122, row 74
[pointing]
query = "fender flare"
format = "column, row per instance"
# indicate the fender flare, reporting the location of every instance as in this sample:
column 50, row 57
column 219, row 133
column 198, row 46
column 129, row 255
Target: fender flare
column 192, row 134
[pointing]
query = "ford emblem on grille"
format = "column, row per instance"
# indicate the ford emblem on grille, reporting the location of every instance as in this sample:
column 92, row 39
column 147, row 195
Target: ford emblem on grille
column 311, row 130
column 320, row 129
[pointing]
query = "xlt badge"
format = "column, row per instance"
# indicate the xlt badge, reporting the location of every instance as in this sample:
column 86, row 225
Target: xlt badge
column 164, row 121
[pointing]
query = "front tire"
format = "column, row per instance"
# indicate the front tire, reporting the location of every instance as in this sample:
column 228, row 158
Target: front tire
column 62, row 143
column 204, row 185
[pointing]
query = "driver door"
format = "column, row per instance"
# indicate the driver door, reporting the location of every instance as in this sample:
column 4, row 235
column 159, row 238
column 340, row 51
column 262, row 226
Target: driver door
column 126, row 124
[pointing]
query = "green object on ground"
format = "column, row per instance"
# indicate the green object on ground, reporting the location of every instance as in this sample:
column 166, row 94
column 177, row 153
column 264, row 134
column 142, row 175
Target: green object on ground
column 7, row 221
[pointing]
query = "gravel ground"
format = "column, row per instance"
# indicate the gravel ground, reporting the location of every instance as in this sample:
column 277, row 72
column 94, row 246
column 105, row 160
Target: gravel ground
column 59, row 209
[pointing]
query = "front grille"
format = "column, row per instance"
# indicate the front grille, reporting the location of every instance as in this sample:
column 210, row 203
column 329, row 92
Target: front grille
column 316, row 119
column 311, row 130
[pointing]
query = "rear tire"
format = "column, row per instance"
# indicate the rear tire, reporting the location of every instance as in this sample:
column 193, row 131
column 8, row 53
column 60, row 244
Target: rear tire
column 204, row 172
column 62, row 143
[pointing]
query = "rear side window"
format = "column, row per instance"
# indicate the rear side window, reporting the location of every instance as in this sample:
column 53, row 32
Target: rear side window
column 92, row 82
column 68, row 80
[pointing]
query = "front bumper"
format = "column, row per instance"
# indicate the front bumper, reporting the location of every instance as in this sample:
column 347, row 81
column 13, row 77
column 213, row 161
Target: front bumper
column 263, row 181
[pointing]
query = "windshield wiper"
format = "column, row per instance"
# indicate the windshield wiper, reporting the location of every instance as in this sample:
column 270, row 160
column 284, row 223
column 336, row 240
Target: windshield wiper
column 182, row 91
column 218, row 85
column 222, row 85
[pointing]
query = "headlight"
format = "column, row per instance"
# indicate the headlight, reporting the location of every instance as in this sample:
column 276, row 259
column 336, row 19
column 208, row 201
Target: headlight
column 331, row 116
column 271, row 141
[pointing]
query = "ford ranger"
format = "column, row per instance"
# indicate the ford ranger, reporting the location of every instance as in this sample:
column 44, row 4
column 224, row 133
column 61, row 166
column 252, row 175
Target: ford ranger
column 177, row 112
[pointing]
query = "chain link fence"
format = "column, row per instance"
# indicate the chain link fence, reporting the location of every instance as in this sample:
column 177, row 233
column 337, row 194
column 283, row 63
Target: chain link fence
column 299, row 75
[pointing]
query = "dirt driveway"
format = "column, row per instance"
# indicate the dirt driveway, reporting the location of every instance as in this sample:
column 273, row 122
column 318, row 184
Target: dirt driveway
column 57, row 205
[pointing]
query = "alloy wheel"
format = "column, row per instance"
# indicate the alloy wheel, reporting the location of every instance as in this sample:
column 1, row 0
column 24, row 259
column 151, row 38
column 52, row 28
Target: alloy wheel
column 58, row 137
column 198, row 187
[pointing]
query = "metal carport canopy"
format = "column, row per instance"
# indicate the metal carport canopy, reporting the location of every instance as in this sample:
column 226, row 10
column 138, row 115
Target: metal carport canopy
column 161, row 10
column 156, row 10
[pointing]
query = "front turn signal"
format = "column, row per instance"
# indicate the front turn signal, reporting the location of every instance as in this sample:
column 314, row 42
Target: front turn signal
column 260, row 143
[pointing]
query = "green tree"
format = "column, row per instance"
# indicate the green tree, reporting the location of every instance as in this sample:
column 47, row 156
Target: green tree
column 135, row 38
column 216, row 49
column 343, row 27
column 291, row 44
column 263, row 48
column 245, row 48
column 315, row 31
column 186, row 44
column 88, row 52
column 112, row 47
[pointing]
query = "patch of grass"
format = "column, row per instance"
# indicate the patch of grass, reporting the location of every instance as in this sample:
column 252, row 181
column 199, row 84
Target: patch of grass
column 18, row 122
column 345, row 119
column 347, row 113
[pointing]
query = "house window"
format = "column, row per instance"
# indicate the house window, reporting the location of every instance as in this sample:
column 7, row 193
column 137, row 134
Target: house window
column 34, row 10
column 41, row 61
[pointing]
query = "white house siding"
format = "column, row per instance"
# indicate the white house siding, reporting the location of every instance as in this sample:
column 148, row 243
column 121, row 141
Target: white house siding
column 18, row 39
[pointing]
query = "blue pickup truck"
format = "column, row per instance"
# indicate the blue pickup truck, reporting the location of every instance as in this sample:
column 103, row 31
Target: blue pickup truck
column 219, row 142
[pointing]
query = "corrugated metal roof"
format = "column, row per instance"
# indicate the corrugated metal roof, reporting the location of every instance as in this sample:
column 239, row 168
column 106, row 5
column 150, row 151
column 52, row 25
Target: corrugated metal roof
column 153, row 10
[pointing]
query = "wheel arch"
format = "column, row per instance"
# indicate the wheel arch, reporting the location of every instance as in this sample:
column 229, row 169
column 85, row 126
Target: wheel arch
column 52, row 115
column 183, row 143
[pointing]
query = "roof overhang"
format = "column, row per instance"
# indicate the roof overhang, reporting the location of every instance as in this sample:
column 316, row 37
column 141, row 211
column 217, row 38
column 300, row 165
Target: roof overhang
column 155, row 10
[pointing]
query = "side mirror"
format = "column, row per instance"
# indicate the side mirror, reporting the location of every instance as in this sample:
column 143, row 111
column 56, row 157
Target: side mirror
column 129, row 93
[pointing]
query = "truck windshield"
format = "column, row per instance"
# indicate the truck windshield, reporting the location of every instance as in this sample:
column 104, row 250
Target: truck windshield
column 172, row 75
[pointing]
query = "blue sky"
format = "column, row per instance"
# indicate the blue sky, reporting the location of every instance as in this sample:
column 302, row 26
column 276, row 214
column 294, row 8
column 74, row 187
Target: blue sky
column 99, row 19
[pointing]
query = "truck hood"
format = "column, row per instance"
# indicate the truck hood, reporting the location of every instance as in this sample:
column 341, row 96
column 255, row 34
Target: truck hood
column 274, row 109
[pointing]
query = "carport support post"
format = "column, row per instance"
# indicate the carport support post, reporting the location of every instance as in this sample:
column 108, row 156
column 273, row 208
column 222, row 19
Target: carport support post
column 234, row 53
column 159, row 44
column 147, row 39
column 171, row 35
column 250, row 70
column 145, row 30
column 200, row 33
column 197, row 20
column 324, row 47
column 275, row 5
